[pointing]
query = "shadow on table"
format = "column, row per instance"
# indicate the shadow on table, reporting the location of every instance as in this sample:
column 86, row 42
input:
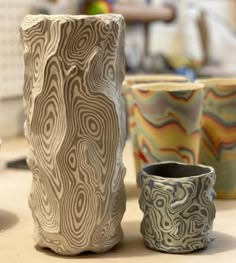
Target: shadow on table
column 7, row 220
column 222, row 205
column 131, row 246
column 222, row 243
column 132, row 191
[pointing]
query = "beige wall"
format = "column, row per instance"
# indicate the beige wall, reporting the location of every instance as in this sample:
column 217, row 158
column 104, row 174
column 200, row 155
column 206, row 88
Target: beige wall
column 11, row 117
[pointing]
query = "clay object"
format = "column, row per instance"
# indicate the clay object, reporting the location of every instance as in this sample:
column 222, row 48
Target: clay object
column 129, row 81
column 218, row 143
column 167, row 117
column 75, row 125
column 177, row 202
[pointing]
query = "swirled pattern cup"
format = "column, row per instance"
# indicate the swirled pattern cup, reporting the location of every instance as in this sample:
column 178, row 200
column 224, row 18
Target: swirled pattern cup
column 167, row 122
column 218, row 143
column 129, row 81
column 177, row 202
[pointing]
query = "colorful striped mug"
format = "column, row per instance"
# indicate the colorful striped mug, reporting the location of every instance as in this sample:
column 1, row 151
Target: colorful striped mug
column 131, row 80
column 167, row 117
column 218, row 143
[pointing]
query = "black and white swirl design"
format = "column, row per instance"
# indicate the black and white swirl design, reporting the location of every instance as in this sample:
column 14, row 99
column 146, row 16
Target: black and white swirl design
column 177, row 202
column 75, row 125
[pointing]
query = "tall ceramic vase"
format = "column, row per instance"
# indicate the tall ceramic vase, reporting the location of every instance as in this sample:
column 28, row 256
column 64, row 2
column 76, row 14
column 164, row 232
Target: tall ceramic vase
column 218, row 144
column 167, row 117
column 129, row 81
column 75, row 125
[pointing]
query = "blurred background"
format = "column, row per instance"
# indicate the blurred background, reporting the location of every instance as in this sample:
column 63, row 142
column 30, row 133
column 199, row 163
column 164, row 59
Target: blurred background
column 195, row 38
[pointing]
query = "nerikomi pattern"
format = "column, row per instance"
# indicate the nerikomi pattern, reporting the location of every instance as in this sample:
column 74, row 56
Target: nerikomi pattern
column 75, row 125
column 218, row 143
column 129, row 81
column 177, row 202
column 167, row 122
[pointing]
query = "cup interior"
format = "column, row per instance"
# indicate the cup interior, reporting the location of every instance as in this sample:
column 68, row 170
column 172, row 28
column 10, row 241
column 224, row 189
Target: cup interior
column 176, row 170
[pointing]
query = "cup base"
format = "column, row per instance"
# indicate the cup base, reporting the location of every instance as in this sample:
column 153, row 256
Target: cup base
column 178, row 250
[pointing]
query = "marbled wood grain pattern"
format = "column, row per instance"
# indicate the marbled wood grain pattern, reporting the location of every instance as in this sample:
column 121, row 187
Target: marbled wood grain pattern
column 178, row 211
column 167, row 123
column 75, row 125
column 218, row 143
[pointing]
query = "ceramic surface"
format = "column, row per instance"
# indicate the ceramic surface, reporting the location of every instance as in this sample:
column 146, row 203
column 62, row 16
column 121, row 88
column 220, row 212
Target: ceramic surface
column 177, row 202
column 129, row 81
column 75, row 125
column 167, row 117
column 218, row 144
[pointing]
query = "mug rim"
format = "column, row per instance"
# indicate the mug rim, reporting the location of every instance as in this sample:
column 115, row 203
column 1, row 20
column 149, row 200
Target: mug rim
column 168, row 86
column 142, row 171
column 154, row 77
column 222, row 82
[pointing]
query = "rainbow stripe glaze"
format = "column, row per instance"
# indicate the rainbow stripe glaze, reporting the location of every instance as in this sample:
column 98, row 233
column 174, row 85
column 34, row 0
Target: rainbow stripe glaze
column 167, row 125
column 131, row 80
column 218, row 144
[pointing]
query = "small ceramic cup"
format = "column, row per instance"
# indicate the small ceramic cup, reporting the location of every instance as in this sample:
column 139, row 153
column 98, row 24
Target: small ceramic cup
column 131, row 80
column 127, row 94
column 167, row 117
column 218, row 141
column 177, row 202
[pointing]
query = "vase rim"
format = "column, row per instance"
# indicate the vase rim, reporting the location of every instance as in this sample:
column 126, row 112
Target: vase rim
column 31, row 20
column 227, row 81
column 63, row 16
column 168, row 86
